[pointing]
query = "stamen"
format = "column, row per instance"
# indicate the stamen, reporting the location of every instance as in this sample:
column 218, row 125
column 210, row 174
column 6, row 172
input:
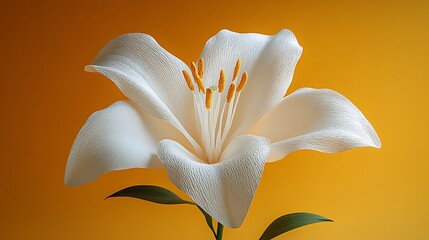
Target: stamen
column 194, row 70
column 200, row 84
column 221, row 84
column 236, row 69
column 208, row 98
column 197, row 77
column 213, row 112
column 231, row 91
column 243, row 82
column 188, row 80
column 201, row 67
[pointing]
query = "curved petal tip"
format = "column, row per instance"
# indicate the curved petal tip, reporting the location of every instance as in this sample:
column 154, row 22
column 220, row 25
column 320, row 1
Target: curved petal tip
column 224, row 190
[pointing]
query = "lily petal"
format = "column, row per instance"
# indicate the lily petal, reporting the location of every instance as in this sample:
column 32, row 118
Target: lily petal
column 224, row 190
column 270, row 62
column 151, row 77
column 316, row 119
column 117, row 137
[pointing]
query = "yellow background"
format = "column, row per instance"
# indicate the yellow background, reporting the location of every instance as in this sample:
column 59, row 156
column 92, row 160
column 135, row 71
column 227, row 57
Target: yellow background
column 376, row 54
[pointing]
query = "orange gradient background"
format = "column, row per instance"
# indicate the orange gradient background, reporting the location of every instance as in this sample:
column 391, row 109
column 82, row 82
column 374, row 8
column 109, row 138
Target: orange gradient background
column 376, row 54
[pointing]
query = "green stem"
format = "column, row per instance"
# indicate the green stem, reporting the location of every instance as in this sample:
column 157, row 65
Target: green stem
column 219, row 233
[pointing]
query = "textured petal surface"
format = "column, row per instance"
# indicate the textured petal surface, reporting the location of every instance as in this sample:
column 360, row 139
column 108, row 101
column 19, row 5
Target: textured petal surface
column 224, row 190
column 118, row 137
column 316, row 119
column 270, row 62
column 151, row 77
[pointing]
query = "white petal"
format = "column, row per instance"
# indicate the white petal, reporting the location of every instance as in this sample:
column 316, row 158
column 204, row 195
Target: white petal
column 316, row 119
column 270, row 62
column 224, row 190
column 118, row 137
column 151, row 77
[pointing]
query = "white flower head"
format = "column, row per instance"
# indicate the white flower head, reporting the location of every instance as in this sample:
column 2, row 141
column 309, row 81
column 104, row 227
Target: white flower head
column 212, row 126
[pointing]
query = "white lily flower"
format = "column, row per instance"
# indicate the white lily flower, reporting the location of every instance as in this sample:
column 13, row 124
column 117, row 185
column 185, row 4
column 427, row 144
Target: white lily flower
column 214, row 126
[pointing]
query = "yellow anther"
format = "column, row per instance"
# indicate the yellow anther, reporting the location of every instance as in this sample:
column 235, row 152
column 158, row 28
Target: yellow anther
column 201, row 67
column 221, row 83
column 200, row 84
column 231, row 92
column 188, row 80
column 194, row 70
column 197, row 78
column 208, row 98
column 236, row 69
column 243, row 82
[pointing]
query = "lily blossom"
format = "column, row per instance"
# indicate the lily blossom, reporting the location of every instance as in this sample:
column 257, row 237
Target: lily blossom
column 212, row 125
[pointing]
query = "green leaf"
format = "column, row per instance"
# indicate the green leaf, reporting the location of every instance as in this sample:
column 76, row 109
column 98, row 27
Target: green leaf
column 160, row 195
column 149, row 193
column 209, row 220
column 289, row 222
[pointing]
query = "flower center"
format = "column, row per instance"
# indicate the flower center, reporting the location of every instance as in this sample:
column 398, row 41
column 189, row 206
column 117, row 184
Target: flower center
column 214, row 109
